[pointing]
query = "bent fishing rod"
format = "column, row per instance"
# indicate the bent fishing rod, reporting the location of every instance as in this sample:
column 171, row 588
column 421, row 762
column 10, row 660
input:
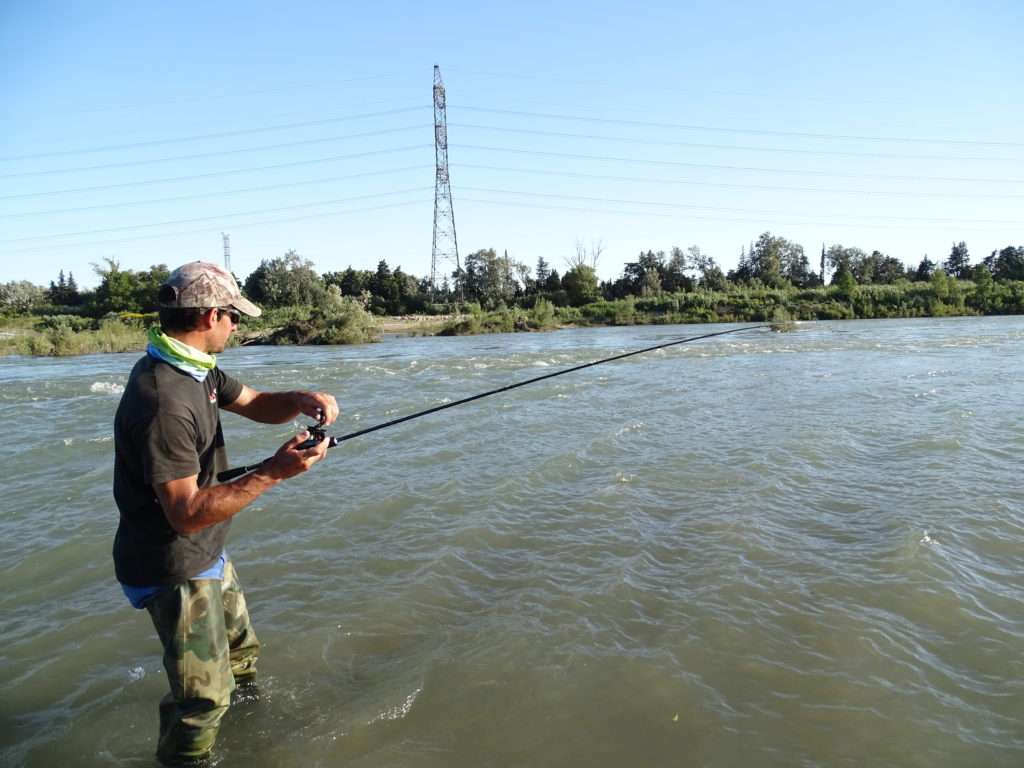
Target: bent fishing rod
column 317, row 433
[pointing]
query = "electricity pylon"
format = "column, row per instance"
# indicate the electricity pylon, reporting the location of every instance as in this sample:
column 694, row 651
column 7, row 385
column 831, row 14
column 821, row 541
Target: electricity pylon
column 446, row 245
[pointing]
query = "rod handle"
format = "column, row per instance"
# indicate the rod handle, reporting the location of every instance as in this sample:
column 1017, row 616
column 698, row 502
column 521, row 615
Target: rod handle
column 230, row 474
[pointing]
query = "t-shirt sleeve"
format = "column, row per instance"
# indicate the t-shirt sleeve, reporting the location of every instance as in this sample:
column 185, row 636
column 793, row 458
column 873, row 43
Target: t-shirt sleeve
column 168, row 445
column 228, row 388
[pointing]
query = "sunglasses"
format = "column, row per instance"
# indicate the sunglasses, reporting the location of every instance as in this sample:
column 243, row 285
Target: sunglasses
column 234, row 314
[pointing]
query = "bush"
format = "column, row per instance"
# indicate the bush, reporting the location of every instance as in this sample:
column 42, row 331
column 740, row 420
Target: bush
column 340, row 320
column 542, row 315
column 70, row 323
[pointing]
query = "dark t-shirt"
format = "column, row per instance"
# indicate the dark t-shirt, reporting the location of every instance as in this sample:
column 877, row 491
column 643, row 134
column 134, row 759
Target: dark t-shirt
column 167, row 427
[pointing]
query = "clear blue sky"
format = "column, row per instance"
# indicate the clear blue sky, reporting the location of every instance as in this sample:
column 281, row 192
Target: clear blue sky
column 141, row 131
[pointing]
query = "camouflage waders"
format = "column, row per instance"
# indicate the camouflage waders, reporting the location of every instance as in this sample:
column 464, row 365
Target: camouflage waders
column 209, row 645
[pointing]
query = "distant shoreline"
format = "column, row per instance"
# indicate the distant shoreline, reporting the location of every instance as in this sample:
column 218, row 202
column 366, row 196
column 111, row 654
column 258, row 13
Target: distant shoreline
column 67, row 333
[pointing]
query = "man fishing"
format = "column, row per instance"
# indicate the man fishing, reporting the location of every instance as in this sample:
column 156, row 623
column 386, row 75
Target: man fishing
column 169, row 548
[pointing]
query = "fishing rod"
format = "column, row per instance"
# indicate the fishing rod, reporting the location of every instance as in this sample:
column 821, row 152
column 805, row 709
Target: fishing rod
column 318, row 434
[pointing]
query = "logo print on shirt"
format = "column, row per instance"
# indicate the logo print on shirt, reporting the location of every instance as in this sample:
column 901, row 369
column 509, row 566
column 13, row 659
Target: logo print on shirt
column 213, row 395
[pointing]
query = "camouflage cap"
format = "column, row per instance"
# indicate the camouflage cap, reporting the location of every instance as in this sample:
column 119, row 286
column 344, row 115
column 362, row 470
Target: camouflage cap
column 201, row 284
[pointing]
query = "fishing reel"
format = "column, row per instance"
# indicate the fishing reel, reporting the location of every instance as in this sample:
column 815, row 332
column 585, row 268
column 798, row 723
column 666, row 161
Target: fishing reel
column 317, row 434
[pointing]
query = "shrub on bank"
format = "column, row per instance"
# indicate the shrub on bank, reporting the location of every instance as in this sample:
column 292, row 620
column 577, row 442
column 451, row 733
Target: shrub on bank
column 541, row 317
column 340, row 320
column 58, row 339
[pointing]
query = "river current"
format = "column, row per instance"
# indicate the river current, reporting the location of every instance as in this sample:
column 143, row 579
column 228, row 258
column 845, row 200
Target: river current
column 762, row 549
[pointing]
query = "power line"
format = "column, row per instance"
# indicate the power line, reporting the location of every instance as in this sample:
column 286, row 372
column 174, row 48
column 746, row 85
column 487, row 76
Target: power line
column 473, row 166
column 218, row 97
column 675, row 217
column 502, row 129
column 589, row 199
column 218, row 193
column 753, row 131
column 212, row 218
column 754, row 169
column 215, row 174
column 219, row 153
column 684, row 206
column 218, row 135
column 725, row 185
column 248, row 225
column 584, row 209
column 676, row 89
column 540, row 153
column 745, row 148
column 504, row 169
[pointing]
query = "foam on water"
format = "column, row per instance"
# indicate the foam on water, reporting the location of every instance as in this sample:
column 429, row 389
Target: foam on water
column 106, row 388
column 398, row 711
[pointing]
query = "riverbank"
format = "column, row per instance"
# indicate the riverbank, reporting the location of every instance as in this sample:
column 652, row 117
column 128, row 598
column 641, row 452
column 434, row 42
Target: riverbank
column 348, row 323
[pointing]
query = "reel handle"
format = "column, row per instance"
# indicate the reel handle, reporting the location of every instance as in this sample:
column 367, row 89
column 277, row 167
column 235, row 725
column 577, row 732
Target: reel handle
column 317, row 435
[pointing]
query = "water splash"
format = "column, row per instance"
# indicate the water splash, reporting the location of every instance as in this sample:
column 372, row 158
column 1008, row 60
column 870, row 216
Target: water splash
column 397, row 712
column 106, row 388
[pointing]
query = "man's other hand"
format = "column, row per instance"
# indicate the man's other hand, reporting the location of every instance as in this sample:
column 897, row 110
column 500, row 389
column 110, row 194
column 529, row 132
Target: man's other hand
column 313, row 404
column 290, row 460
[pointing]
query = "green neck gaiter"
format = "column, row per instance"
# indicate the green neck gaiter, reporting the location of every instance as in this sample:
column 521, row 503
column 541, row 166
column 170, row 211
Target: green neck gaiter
column 189, row 359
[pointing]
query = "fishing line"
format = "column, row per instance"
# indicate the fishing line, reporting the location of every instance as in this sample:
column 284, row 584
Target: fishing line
column 317, row 433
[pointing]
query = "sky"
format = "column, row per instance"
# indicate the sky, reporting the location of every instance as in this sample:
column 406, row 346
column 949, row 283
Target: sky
column 140, row 132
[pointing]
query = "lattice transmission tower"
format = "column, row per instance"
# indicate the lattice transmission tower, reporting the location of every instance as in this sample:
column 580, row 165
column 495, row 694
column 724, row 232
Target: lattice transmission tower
column 446, row 245
column 227, row 250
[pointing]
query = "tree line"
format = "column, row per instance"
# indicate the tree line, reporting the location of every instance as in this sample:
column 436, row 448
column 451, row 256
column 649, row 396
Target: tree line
column 492, row 281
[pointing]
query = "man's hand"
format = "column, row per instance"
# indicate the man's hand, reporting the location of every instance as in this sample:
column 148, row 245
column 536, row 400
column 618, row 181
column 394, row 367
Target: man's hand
column 318, row 405
column 280, row 407
column 290, row 460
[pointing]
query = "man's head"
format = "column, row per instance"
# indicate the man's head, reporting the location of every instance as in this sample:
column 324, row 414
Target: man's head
column 196, row 298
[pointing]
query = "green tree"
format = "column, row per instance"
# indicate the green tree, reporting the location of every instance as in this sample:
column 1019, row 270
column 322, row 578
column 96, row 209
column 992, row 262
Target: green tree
column 924, row 270
column 405, row 289
column 118, row 289
column 72, row 297
column 383, row 290
column 351, row 282
column 55, row 293
column 1007, row 263
column 887, row 269
column 21, row 296
column 489, row 278
column 940, row 284
column 744, row 271
column 984, row 285
column 471, row 281
column 673, row 273
column 554, row 281
column 712, row 278
column 776, row 261
column 958, row 264
column 641, row 277
column 285, row 281
column 148, row 285
column 845, row 282
column 543, row 271
column 840, row 257
column 581, row 284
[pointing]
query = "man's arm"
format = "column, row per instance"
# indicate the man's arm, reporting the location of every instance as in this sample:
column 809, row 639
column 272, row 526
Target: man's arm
column 189, row 508
column 279, row 407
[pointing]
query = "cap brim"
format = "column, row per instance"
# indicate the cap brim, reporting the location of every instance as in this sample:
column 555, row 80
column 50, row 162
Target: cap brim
column 246, row 307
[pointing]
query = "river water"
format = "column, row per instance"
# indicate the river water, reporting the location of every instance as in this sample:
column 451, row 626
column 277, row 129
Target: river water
column 763, row 549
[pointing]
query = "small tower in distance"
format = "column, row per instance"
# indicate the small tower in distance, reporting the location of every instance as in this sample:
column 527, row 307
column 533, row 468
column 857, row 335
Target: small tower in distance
column 227, row 250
